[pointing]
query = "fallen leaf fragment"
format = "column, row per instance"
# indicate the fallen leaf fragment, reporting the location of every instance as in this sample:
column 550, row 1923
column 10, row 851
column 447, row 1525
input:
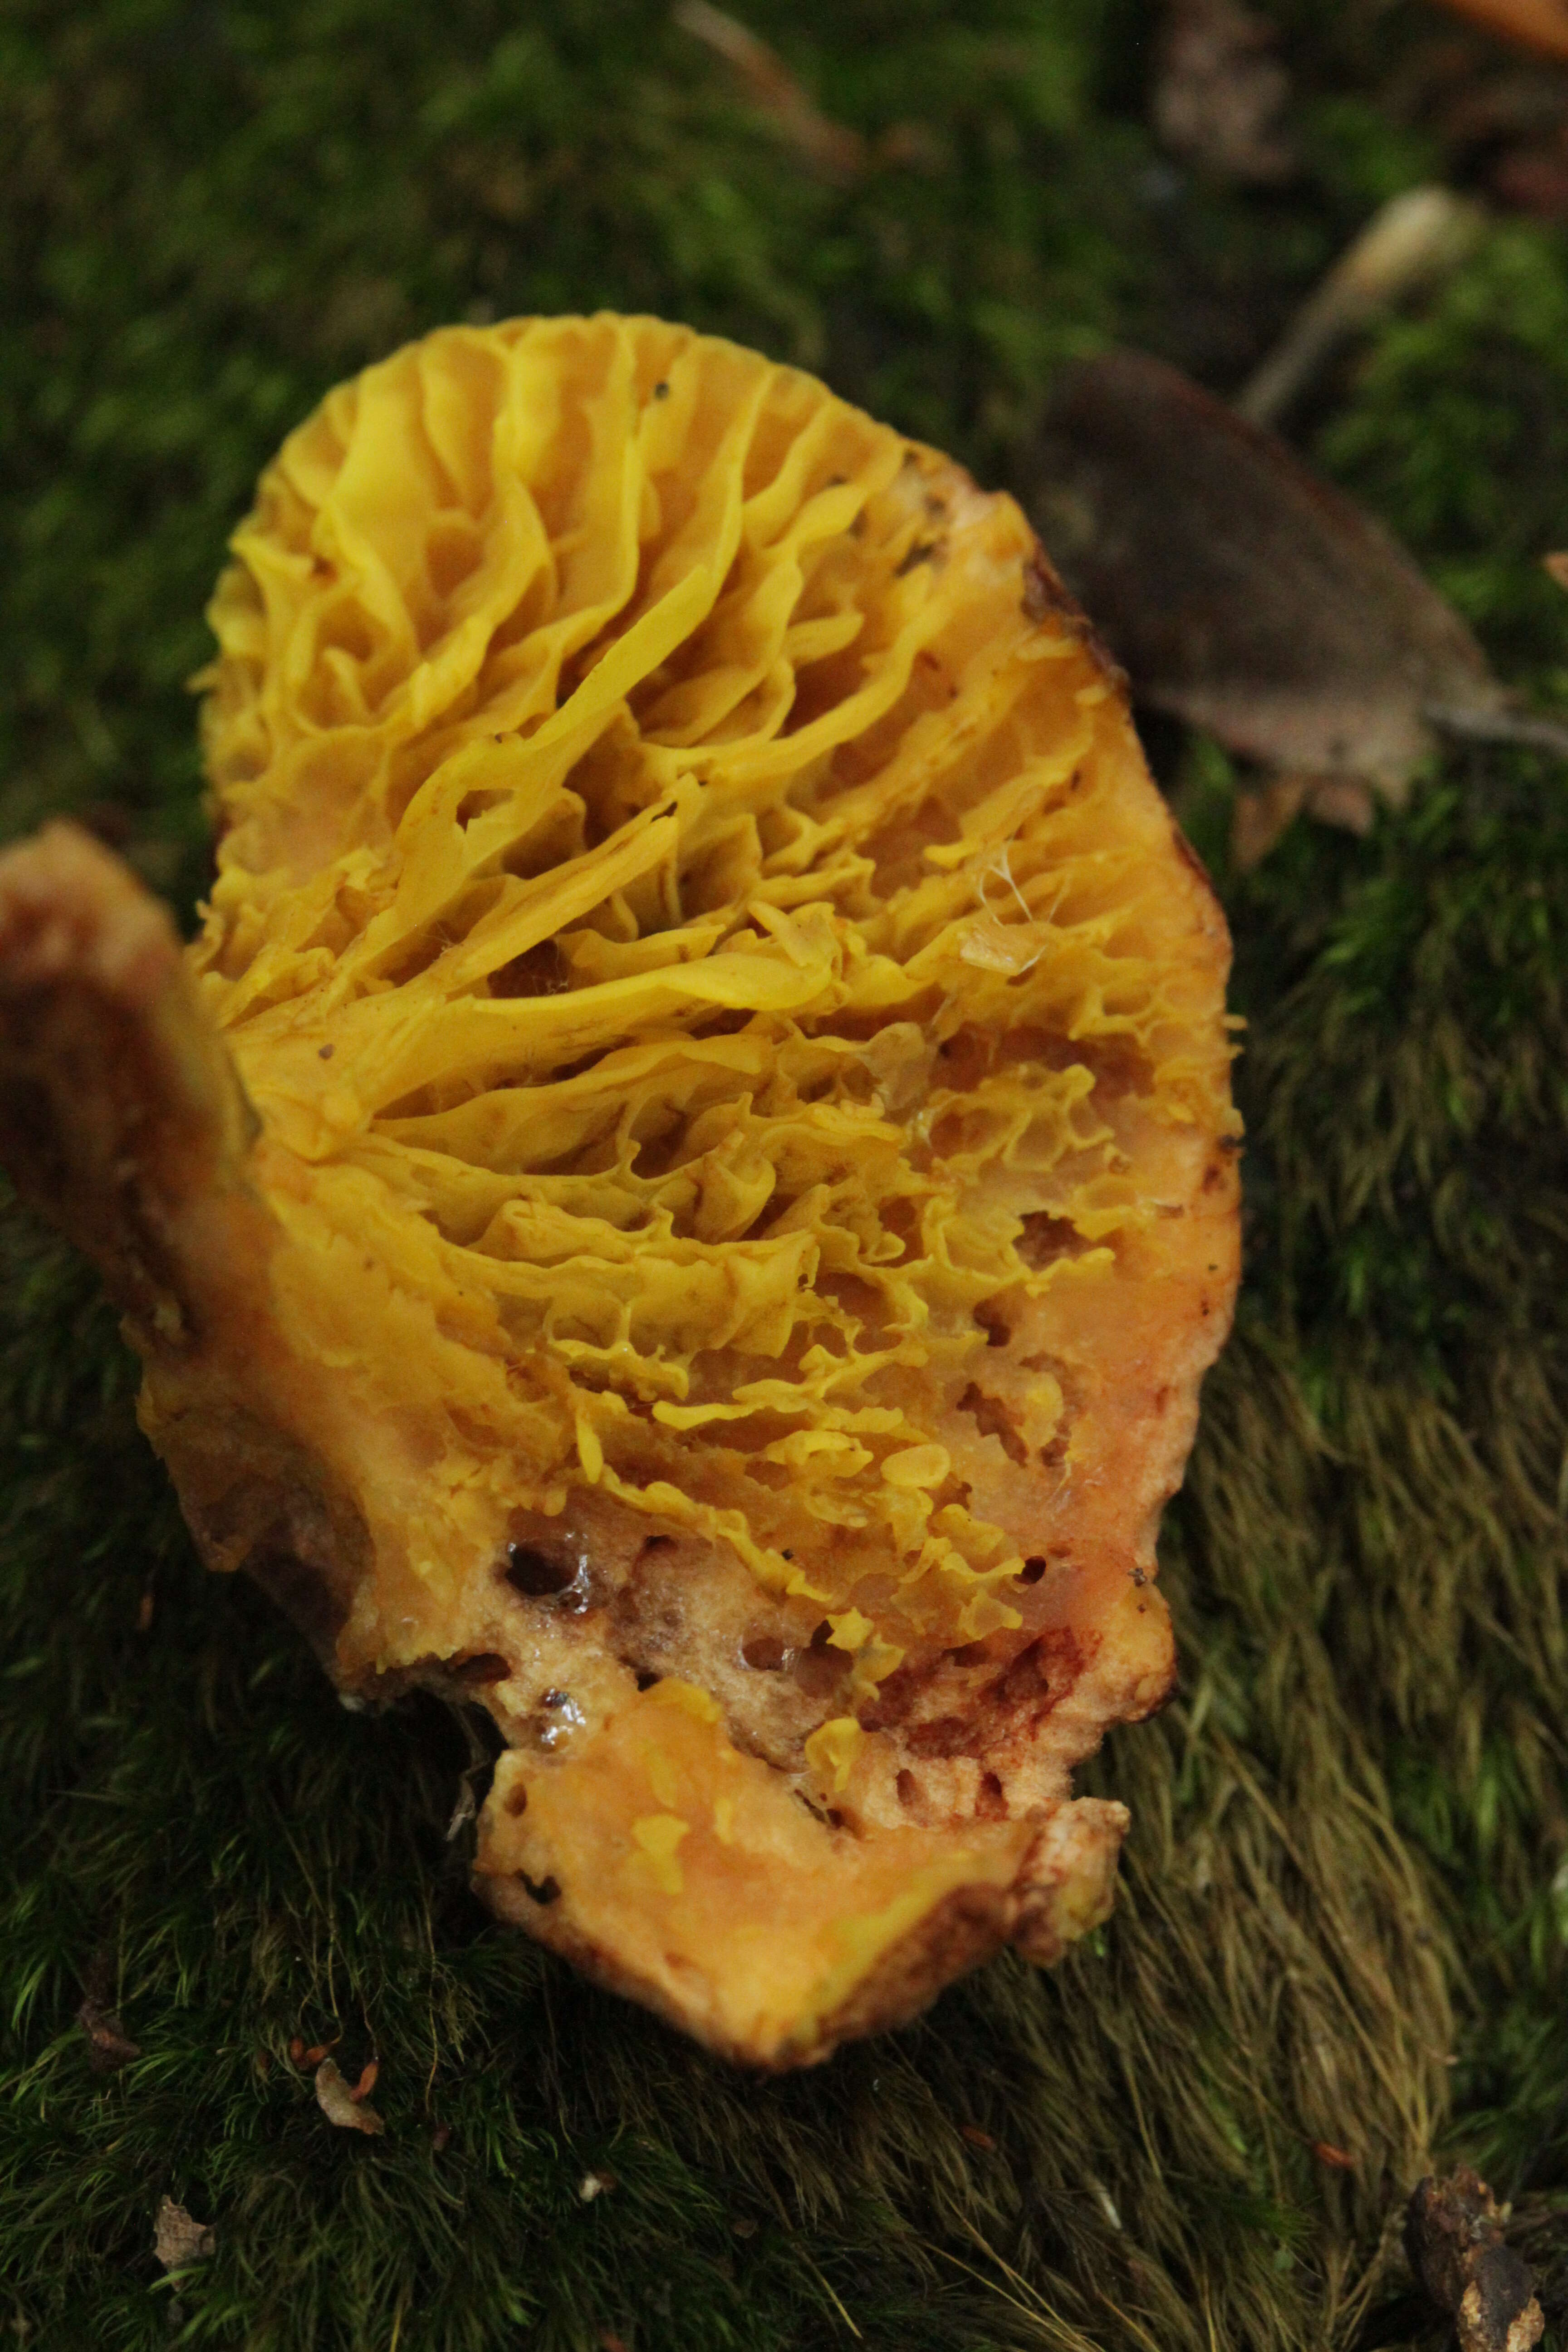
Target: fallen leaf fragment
column 340, row 2104
column 1266, row 811
column 367, row 2084
column 1540, row 24
column 1219, row 93
column 594, row 2184
column 1453, row 2239
column 1557, row 566
column 179, row 2238
column 1246, row 595
column 1337, row 2159
column 976, row 2137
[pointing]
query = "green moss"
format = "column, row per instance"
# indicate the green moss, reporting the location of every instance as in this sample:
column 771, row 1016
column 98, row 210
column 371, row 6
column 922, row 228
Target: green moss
column 1343, row 1919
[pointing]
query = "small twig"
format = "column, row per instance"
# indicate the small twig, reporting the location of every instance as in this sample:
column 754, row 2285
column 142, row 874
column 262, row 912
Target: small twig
column 831, row 148
column 1417, row 239
column 1498, row 727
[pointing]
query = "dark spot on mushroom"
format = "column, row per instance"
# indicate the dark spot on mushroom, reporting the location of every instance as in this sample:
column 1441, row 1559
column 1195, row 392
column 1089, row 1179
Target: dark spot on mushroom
column 302, row 1590
column 534, row 1575
column 765, row 1652
column 992, row 1419
column 948, row 1736
column 483, row 1666
column 545, row 1890
column 647, row 1681
column 538, row 972
column 819, row 1667
column 1043, row 592
column 1044, row 1239
column 1032, row 1571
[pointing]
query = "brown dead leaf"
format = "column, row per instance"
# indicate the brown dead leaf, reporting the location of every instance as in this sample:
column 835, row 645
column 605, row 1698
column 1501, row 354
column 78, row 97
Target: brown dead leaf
column 1557, row 566
column 1335, row 2158
column 339, row 2104
column 1219, row 93
column 976, row 2137
column 1245, row 594
column 367, row 2084
column 1539, row 25
column 178, row 2239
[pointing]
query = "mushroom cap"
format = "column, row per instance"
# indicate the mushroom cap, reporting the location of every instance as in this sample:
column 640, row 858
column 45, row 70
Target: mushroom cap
column 746, row 1150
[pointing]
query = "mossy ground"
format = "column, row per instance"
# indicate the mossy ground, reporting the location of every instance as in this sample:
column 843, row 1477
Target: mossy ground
column 1343, row 1925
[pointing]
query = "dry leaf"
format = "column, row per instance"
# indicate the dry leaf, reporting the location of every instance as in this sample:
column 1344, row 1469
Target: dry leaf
column 1219, row 93
column 1245, row 594
column 1557, row 566
column 1540, row 24
column 1336, row 2157
column 338, row 2103
column 178, row 2239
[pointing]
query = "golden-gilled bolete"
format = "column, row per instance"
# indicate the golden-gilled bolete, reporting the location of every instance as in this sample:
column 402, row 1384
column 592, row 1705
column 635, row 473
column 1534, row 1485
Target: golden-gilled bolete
column 687, row 1186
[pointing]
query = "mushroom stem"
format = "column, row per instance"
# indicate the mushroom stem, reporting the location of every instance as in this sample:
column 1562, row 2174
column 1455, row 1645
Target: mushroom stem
column 122, row 1119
